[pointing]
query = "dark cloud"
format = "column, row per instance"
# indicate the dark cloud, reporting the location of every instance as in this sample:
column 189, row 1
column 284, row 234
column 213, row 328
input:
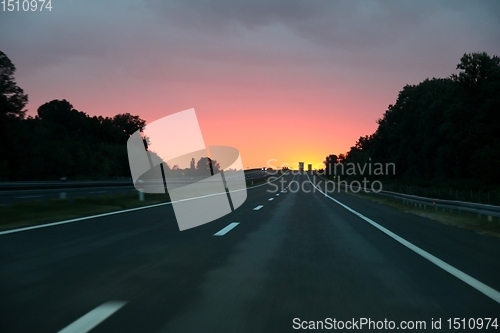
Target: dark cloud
column 250, row 41
column 260, row 31
column 349, row 22
column 376, row 33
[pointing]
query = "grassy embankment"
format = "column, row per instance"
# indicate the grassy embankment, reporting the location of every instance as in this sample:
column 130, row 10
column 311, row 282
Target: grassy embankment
column 471, row 221
column 478, row 223
column 36, row 212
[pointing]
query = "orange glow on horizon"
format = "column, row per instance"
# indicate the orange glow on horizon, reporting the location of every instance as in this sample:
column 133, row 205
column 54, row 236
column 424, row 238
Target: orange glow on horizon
column 284, row 123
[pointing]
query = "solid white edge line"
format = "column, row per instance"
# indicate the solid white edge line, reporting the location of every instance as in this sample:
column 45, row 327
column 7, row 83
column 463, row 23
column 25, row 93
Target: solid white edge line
column 258, row 207
column 46, row 225
column 226, row 229
column 93, row 318
column 476, row 284
column 11, row 231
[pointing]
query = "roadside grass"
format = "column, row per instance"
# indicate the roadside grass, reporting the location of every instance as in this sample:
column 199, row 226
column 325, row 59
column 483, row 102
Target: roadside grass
column 38, row 212
column 30, row 213
column 479, row 224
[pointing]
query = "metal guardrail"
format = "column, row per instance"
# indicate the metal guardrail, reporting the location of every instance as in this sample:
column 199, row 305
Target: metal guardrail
column 451, row 205
column 52, row 185
column 470, row 207
column 19, row 186
column 34, row 190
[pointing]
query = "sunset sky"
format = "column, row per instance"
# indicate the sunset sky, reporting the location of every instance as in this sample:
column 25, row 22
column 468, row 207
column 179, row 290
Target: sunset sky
column 287, row 81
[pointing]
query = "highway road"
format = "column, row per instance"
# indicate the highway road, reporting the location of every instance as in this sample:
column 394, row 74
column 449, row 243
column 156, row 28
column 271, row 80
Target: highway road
column 283, row 260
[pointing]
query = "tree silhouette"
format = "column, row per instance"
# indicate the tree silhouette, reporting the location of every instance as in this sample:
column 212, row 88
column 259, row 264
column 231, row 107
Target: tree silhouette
column 12, row 97
column 330, row 162
column 59, row 140
column 207, row 165
column 445, row 129
column 129, row 123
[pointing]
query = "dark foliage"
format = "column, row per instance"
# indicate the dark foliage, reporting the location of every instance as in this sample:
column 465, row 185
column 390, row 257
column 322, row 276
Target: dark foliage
column 12, row 98
column 63, row 142
column 441, row 130
column 60, row 141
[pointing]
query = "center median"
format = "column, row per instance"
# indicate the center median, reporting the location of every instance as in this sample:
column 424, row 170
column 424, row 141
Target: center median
column 27, row 215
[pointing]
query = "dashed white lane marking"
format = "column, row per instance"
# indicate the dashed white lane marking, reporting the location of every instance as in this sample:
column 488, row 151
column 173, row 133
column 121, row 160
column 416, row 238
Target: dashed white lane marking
column 93, row 318
column 226, row 229
column 258, row 207
column 277, row 194
column 270, row 199
column 476, row 284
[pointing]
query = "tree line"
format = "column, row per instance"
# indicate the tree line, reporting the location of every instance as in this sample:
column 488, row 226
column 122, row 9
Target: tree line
column 440, row 131
column 63, row 142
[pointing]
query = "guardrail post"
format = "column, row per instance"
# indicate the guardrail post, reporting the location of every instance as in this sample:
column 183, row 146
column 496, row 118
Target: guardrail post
column 62, row 195
column 490, row 218
column 141, row 196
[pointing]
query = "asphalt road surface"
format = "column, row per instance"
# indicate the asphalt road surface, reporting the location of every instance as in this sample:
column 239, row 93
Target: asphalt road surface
column 283, row 260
